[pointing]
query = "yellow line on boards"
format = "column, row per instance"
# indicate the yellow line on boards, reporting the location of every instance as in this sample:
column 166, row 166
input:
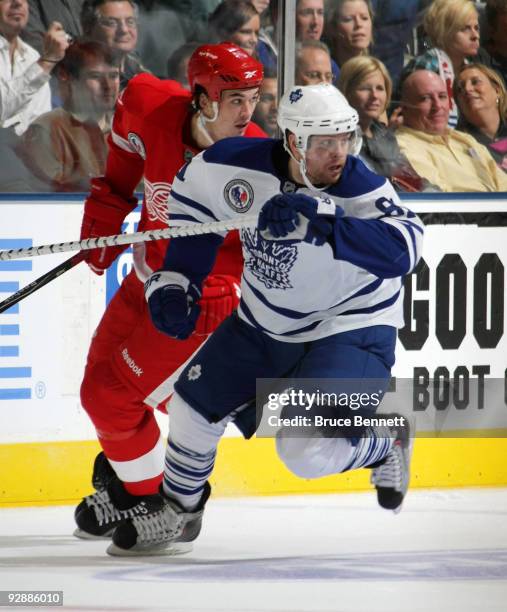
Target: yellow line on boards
column 46, row 473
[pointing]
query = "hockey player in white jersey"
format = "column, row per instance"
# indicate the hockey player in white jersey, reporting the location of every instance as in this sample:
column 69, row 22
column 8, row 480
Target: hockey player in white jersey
column 321, row 299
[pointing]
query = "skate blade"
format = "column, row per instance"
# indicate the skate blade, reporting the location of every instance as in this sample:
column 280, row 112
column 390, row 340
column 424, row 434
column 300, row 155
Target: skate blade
column 84, row 535
column 177, row 548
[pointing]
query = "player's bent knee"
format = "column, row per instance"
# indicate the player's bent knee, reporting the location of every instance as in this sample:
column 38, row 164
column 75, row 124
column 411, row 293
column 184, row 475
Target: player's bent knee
column 107, row 400
column 313, row 457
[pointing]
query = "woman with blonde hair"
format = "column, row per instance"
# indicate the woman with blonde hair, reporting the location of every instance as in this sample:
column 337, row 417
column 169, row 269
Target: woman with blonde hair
column 453, row 29
column 482, row 100
column 365, row 82
column 348, row 29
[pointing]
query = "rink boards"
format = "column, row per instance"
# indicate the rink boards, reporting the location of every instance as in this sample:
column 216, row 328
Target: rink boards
column 455, row 331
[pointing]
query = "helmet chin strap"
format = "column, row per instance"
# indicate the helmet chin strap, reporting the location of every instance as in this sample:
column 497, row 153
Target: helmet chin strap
column 302, row 169
column 307, row 182
column 202, row 120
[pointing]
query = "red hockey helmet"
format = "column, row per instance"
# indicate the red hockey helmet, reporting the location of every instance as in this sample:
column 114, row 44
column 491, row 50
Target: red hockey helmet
column 223, row 66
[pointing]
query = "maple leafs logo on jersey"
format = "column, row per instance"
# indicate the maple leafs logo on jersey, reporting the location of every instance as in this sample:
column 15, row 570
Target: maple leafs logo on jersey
column 156, row 196
column 295, row 95
column 270, row 262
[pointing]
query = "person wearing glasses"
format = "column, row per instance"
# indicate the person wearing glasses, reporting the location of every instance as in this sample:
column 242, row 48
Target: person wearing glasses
column 114, row 22
column 313, row 63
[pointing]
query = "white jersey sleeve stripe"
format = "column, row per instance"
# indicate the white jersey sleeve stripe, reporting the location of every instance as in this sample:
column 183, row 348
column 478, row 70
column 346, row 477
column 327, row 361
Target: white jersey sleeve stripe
column 417, row 233
column 122, row 143
column 195, row 206
column 409, row 238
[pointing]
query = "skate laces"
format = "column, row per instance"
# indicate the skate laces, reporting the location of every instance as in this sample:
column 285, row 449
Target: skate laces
column 390, row 473
column 164, row 525
column 106, row 512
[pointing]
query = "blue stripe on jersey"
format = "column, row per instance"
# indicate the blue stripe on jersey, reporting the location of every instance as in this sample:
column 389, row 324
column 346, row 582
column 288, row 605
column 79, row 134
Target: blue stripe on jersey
column 193, row 204
column 185, row 218
column 410, row 230
column 375, row 307
column 246, row 153
column 412, row 224
column 364, row 291
column 248, row 313
column 295, row 314
column 286, row 312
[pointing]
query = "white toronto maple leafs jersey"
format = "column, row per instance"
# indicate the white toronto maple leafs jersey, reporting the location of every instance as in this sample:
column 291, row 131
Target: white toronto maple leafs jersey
column 298, row 291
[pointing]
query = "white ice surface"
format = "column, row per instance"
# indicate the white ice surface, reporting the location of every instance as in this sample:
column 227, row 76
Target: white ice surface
column 446, row 551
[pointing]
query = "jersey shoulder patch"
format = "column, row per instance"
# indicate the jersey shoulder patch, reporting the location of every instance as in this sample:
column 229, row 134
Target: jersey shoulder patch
column 247, row 153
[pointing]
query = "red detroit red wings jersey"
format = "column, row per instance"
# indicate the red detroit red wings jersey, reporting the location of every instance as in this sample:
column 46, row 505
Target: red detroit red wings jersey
column 151, row 136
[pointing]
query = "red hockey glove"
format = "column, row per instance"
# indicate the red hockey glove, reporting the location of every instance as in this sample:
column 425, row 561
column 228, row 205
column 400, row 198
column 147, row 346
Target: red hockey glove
column 220, row 296
column 104, row 213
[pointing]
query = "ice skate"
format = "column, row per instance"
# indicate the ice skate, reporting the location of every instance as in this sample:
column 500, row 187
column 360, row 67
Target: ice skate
column 163, row 528
column 391, row 475
column 103, row 473
column 98, row 515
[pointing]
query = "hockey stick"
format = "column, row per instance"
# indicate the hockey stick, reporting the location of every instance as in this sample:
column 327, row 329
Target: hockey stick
column 195, row 229
column 41, row 281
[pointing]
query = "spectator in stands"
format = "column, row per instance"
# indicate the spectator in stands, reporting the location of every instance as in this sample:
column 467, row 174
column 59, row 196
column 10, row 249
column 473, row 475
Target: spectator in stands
column 266, row 110
column 44, row 12
column 236, row 21
column 482, row 100
column 452, row 160
column 394, row 21
column 453, row 29
column 496, row 45
column 192, row 17
column 177, row 64
column 267, row 51
column 349, row 29
column 24, row 75
column 162, row 31
column 14, row 175
column 313, row 63
column 309, row 19
column 114, row 22
column 261, row 6
column 309, row 27
column 67, row 146
column 365, row 82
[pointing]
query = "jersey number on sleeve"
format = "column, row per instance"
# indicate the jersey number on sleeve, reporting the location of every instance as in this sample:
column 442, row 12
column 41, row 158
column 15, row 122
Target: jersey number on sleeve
column 388, row 208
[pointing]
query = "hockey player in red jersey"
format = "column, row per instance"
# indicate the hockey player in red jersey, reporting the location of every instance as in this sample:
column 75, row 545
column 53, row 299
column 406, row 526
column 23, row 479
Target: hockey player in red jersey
column 157, row 128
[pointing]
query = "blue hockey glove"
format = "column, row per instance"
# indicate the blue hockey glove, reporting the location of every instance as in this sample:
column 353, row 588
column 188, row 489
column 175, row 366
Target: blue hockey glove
column 173, row 303
column 294, row 216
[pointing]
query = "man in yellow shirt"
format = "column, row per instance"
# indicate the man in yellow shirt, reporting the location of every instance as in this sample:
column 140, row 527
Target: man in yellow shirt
column 453, row 160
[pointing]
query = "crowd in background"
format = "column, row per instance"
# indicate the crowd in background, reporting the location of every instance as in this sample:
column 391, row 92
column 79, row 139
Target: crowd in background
column 427, row 79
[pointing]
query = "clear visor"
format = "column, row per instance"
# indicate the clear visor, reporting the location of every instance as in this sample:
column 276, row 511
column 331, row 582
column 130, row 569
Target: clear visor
column 333, row 143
